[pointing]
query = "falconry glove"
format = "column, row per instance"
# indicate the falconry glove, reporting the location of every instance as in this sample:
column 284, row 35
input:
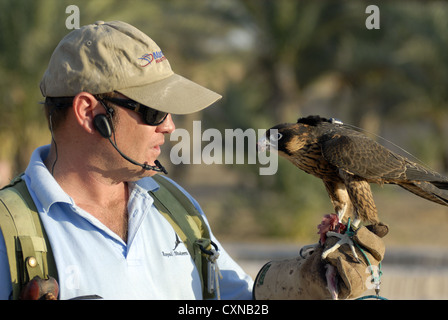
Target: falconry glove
column 338, row 276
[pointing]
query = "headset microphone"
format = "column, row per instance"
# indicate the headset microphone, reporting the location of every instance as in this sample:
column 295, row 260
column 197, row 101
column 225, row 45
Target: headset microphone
column 158, row 166
column 103, row 126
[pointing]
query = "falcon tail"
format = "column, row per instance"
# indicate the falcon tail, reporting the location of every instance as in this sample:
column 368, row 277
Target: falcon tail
column 432, row 191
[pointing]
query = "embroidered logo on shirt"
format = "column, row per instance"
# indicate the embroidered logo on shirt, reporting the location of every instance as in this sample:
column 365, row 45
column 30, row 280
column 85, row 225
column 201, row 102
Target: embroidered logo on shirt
column 177, row 242
column 173, row 252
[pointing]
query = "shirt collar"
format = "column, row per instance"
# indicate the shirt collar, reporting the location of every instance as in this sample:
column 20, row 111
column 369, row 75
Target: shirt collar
column 148, row 184
column 43, row 187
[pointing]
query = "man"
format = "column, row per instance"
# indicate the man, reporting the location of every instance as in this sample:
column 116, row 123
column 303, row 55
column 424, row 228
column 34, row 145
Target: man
column 107, row 238
column 110, row 93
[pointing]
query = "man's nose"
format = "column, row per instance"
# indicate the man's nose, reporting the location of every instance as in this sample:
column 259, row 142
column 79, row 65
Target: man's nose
column 167, row 126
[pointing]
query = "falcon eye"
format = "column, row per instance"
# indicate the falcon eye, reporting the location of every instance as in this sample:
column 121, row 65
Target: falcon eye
column 275, row 136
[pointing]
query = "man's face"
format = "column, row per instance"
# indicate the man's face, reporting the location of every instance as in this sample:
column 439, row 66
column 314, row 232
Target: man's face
column 139, row 141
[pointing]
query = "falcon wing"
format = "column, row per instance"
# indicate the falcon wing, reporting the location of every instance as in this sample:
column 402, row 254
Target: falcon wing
column 363, row 157
column 368, row 159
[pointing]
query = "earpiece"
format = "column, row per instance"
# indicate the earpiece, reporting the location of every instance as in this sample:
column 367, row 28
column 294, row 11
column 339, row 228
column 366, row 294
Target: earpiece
column 102, row 124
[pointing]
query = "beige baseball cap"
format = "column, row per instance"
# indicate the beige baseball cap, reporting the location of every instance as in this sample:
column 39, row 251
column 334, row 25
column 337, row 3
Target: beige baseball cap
column 115, row 56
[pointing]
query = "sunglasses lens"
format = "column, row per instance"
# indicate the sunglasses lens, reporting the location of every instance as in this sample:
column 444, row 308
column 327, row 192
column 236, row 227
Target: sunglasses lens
column 151, row 116
column 154, row 117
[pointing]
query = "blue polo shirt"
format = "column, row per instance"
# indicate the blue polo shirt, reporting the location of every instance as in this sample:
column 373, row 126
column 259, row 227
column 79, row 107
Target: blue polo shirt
column 93, row 260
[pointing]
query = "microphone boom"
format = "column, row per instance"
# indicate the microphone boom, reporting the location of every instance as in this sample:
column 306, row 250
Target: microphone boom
column 158, row 166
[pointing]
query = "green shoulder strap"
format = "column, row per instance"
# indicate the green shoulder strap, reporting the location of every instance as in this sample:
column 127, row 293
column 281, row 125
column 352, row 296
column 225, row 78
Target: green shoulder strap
column 27, row 246
column 189, row 225
column 29, row 252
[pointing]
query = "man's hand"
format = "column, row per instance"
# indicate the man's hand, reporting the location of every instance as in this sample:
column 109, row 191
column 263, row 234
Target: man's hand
column 40, row 289
column 338, row 276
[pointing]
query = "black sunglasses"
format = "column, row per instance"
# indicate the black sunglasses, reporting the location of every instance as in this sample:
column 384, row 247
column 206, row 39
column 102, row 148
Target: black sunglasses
column 150, row 116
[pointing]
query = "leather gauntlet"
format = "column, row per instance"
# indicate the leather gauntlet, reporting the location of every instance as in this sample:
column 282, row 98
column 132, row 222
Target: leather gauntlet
column 339, row 276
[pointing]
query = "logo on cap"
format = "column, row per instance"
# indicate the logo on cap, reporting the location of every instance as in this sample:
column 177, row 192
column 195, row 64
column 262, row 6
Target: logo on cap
column 148, row 58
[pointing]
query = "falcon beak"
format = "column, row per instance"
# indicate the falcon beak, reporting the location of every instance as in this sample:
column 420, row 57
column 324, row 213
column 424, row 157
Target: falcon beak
column 263, row 144
column 271, row 143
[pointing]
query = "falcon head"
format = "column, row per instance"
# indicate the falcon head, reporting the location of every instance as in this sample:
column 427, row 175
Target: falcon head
column 279, row 137
column 288, row 138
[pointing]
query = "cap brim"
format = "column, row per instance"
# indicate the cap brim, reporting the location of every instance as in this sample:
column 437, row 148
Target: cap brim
column 175, row 94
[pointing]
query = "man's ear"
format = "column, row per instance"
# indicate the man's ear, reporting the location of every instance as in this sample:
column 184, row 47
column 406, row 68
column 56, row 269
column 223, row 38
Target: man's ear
column 85, row 108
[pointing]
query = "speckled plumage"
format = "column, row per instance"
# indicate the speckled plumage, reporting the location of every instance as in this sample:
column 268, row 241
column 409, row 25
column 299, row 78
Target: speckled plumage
column 347, row 161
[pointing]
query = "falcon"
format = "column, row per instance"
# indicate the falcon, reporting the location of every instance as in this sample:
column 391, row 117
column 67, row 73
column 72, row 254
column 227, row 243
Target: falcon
column 347, row 161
